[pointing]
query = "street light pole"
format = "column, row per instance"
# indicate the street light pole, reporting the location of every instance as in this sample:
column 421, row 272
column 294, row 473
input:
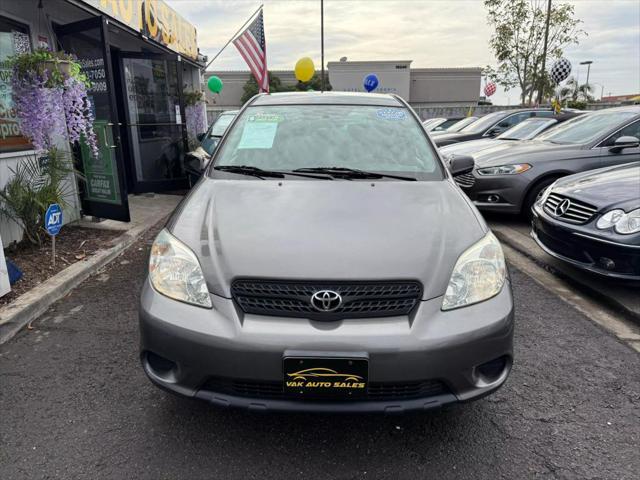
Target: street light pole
column 543, row 72
column 588, row 64
column 322, row 43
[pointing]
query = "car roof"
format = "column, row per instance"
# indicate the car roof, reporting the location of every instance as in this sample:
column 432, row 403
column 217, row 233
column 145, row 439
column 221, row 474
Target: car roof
column 327, row 98
column 627, row 108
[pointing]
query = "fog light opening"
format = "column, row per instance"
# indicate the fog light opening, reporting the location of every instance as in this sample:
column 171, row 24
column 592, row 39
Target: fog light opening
column 160, row 366
column 493, row 198
column 491, row 371
column 607, row 263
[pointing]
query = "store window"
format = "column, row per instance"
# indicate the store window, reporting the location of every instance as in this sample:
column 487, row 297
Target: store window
column 14, row 39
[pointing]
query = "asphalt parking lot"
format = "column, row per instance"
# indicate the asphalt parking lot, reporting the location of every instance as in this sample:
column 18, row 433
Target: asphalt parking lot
column 75, row 404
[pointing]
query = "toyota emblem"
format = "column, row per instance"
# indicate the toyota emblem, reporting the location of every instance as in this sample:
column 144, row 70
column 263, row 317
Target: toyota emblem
column 326, row 300
column 562, row 207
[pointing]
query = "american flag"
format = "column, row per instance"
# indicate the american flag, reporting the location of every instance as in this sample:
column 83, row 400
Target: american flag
column 252, row 47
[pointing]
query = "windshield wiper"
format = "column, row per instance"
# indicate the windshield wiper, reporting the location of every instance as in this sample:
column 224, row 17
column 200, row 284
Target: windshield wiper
column 248, row 170
column 260, row 173
column 350, row 173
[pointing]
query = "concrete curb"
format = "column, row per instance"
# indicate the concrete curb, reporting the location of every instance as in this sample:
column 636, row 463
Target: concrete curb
column 36, row 301
column 522, row 247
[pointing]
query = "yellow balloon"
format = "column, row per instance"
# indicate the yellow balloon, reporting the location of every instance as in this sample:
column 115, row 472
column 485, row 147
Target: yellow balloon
column 305, row 69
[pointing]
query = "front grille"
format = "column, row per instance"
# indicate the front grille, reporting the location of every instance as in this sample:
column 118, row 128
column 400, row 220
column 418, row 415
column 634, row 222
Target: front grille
column 466, row 180
column 568, row 209
column 376, row 391
column 359, row 299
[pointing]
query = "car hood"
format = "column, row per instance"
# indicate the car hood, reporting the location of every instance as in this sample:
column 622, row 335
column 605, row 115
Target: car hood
column 527, row 151
column 327, row 230
column 473, row 147
column 609, row 187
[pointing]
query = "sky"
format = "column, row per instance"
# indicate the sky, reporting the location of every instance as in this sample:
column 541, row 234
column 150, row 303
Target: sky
column 432, row 33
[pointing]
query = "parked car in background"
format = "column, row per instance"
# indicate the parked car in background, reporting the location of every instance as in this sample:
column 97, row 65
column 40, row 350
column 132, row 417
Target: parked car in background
column 327, row 262
column 511, row 179
column 592, row 220
column 456, row 127
column 491, row 125
column 446, row 124
column 197, row 160
column 431, row 123
column 525, row 130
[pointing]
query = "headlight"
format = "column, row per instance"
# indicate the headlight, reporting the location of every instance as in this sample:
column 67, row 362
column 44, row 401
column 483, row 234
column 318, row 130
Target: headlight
column 505, row 169
column 545, row 194
column 629, row 223
column 609, row 219
column 479, row 274
column 174, row 271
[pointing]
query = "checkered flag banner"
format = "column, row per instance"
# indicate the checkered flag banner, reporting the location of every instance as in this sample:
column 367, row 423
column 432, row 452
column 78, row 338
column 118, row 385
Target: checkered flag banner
column 489, row 89
column 560, row 70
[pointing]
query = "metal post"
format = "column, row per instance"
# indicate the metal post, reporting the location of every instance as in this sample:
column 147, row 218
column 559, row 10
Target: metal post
column 322, row 44
column 53, row 250
column 544, row 55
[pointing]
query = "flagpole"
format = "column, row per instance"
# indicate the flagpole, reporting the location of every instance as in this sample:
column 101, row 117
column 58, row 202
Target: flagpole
column 234, row 35
column 322, row 43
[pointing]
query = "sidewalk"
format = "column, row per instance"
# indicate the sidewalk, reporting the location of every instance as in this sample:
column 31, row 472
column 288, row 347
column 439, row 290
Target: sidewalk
column 146, row 211
column 515, row 233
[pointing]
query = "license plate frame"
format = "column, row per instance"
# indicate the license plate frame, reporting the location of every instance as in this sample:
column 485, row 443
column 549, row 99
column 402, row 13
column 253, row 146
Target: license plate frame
column 325, row 377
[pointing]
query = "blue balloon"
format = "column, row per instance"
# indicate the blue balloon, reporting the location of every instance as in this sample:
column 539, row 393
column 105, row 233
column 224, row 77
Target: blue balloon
column 370, row 82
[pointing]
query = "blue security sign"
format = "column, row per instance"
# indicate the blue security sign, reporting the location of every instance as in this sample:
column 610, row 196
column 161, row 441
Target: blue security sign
column 53, row 219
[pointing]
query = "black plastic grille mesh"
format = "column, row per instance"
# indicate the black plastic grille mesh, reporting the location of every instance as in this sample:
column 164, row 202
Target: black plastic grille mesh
column 359, row 299
column 376, row 391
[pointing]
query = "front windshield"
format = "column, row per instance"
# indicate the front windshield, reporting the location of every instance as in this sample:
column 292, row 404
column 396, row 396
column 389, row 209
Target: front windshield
column 483, row 123
column 221, row 124
column 586, row 128
column 371, row 138
column 210, row 142
column 459, row 125
column 527, row 129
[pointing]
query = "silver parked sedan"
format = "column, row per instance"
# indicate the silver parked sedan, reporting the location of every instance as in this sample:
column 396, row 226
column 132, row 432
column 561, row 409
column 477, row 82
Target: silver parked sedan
column 327, row 261
column 511, row 178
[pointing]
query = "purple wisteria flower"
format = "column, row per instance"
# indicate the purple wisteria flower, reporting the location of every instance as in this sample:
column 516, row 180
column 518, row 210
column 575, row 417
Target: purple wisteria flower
column 39, row 108
column 195, row 119
column 49, row 112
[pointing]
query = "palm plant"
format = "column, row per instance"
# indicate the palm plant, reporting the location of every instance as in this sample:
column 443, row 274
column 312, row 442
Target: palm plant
column 36, row 183
column 574, row 92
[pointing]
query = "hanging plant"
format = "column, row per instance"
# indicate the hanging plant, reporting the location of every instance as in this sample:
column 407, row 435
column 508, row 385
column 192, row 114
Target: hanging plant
column 195, row 113
column 50, row 97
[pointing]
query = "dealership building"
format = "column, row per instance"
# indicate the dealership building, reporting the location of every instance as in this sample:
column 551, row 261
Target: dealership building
column 421, row 87
column 141, row 57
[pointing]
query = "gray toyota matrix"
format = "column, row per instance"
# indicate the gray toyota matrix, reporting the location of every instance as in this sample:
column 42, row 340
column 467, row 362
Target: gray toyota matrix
column 327, row 262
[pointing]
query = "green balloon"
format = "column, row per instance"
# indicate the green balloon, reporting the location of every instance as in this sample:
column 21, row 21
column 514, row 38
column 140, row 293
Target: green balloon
column 214, row 84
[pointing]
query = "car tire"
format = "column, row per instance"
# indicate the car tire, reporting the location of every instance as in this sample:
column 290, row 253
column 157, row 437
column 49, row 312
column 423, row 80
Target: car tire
column 534, row 192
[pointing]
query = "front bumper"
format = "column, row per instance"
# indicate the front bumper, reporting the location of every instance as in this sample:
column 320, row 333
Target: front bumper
column 234, row 359
column 585, row 248
column 496, row 193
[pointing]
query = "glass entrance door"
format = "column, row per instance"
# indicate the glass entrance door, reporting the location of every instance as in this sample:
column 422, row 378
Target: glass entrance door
column 103, row 192
column 154, row 123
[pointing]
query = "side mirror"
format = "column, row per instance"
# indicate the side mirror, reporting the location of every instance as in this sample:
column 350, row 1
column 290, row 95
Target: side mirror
column 624, row 142
column 201, row 136
column 461, row 164
column 494, row 132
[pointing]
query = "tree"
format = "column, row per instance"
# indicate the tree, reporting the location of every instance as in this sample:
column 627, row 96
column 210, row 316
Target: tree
column 518, row 41
column 573, row 93
column 314, row 84
column 251, row 87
